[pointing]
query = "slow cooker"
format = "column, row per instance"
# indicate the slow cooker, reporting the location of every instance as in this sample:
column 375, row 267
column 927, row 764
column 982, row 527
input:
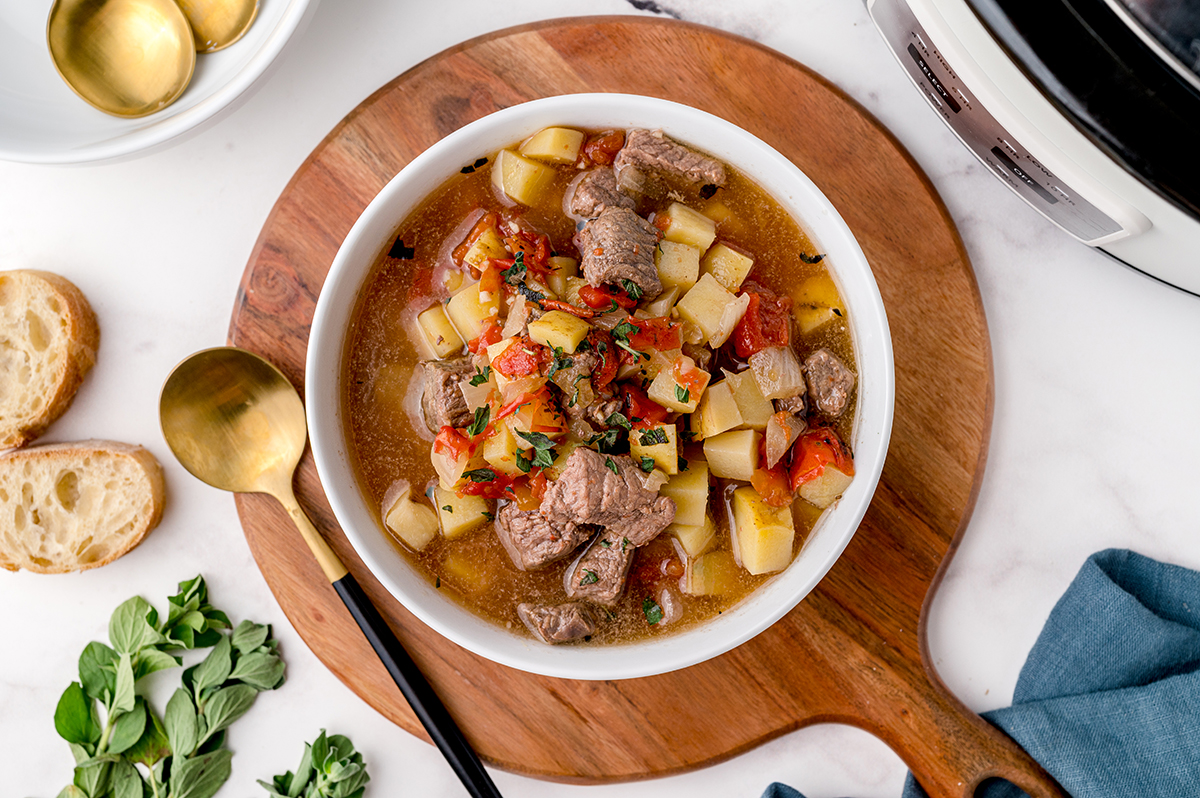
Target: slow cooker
column 1089, row 110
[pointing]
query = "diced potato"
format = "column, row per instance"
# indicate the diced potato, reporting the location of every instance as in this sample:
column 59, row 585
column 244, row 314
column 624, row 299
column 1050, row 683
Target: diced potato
column 665, row 455
column 450, row 469
column 713, row 574
column 810, row 318
column 717, row 412
column 673, row 396
column 520, row 178
column 733, row 455
column 559, row 329
column 704, row 305
column 727, row 265
column 467, row 572
column 822, row 491
column 489, row 245
column 452, row 280
column 778, row 372
column 695, row 539
column 755, row 408
column 459, row 515
column 718, row 211
column 689, row 490
column 554, row 144
column 413, row 523
column 818, row 291
column 687, row 226
column 560, row 269
column 678, row 264
column 660, row 306
column 764, row 533
column 438, row 332
column 468, row 310
column 501, row 450
column 564, row 451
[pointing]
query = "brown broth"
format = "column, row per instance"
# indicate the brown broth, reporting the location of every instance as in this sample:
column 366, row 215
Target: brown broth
column 380, row 358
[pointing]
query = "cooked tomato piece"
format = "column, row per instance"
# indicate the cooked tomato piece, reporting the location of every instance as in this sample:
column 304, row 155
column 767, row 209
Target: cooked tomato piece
column 498, row 487
column 603, row 297
column 602, row 148
column 657, row 333
column 773, row 485
column 602, row 344
column 536, row 247
column 450, row 441
column 538, row 484
column 490, row 334
column 687, row 374
column 641, row 410
column 766, row 323
column 488, row 220
column 521, row 358
column 815, row 449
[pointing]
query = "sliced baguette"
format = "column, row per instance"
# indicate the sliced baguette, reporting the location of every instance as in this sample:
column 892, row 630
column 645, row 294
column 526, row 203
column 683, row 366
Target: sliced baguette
column 74, row 506
column 48, row 341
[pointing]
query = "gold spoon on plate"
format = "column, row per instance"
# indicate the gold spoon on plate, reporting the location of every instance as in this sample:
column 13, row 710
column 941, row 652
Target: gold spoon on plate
column 236, row 422
column 130, row 58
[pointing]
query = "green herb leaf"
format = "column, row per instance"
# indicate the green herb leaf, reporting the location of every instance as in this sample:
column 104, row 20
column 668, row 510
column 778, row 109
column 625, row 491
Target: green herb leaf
column 589, row 577
column 98, row 671
column 131, row 626
column 481, row 376
column 123, row 694
column 647, row 464
column 683, row 465
column 128, row 728
column 92, row 776
column 617, row 420
column 537, row 439
column 201, row 776
column 804, row 256
column 653, row 437
column 623, row 330
column 73, row 717
column 262, row 670
column 682, row 394
column 480, row 475
column 181, row 726
column 606, row 543
column 482, row 414
column 215, row 668
column 447, row 508
column 611, row 466
column 225, row 705
column 606, row 441
column 515, row 274
column 488, row 516
column 152, row 660
column 651, row 610
column 153, row 746
column 632, row 288
column 125, row 781
column 330, row 768
column 559, row 362
column 524, row 464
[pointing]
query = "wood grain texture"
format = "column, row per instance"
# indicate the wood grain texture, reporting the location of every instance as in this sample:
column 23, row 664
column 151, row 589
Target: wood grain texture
column 854, row 651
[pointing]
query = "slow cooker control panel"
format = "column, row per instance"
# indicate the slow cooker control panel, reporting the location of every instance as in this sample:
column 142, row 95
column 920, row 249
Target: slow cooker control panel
column 995, row 146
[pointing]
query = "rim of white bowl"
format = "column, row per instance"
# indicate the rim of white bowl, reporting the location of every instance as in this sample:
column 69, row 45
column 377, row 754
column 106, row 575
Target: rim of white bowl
column 371, row 234
column 170, row 127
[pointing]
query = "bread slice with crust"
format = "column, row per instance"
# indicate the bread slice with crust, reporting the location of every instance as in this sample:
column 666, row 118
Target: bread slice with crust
column 74, row 506
column 48, row 342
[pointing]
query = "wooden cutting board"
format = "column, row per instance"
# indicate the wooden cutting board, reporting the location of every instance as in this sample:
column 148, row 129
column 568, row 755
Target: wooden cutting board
column 855, row 650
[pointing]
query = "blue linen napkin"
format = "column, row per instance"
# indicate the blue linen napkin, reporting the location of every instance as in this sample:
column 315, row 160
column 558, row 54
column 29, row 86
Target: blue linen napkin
column 1109, row 699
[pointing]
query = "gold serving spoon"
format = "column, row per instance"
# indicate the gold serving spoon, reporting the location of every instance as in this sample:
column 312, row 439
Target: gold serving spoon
column 128, row 58
column 236, row 422
column 216, row 24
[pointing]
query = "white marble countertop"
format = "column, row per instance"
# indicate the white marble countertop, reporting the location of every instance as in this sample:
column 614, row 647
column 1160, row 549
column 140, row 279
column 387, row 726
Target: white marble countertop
column 1096, row 438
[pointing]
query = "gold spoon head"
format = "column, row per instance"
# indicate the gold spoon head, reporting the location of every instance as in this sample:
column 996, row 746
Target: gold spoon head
column 128, row 58
column 216, row 24
column 234, row 421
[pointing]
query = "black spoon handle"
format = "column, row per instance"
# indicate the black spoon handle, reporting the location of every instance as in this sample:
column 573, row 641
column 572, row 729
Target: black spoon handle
column 416, row 689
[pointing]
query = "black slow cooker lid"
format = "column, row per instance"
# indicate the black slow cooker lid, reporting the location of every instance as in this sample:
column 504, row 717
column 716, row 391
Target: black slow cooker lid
column 1130, row 100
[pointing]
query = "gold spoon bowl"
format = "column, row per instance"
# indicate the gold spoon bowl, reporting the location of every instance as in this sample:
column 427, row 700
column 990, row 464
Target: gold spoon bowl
column 128, row 58
column 216, row 24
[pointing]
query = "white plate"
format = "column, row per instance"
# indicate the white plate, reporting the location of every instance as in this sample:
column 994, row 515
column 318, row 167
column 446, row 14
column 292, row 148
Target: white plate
column 43, row 121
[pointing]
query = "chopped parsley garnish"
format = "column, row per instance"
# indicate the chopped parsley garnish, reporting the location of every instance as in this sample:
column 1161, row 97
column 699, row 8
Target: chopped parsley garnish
column 682, row 394
column 606, row 441
column 804, row 256
column 515, row 274
column 438, row 583
column 559, row 362
column 447, row 508
column 647, row 464
column 480, row 475
column 480, row 423
column 488, row 516
column 611, row 466
column 589, row 578
column 653, row 437
column 686, row 435
column 482, row 375
column 583, row 346
column 617, row 420
column 624, row 544
column 543, row 450
column 682, row 464
column 632, row 288
column 651, row 610
column 621, row 335
column 606, row 543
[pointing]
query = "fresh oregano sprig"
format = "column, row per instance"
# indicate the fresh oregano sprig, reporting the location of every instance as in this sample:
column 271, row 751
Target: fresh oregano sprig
column 122, row 748
column 330, row 768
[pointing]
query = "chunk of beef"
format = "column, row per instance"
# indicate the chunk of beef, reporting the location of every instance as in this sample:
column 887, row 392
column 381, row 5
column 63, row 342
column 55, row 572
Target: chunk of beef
column 596, row 190
column 794, row 405
column 652, row 164
column 560, row 623
column 599, row 573
column 442, row 403
column 829, row 382
column 594, row 488
column 532, row 540
column 619, row 245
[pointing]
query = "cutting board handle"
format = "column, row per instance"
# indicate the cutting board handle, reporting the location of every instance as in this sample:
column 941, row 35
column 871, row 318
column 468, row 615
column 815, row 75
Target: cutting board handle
column 951, row 750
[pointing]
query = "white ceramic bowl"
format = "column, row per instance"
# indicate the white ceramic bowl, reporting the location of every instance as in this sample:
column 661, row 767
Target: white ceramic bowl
column 43, row 121
column 372, row 234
